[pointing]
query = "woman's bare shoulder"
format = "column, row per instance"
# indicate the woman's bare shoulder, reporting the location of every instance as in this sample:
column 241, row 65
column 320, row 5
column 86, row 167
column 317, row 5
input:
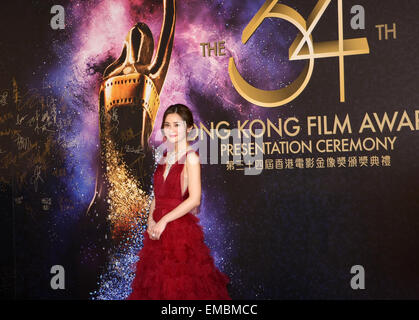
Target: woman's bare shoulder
column 192, row 157
column 160, row 157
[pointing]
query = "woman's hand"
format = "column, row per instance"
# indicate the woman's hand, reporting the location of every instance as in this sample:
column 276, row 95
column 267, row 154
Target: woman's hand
column 158, row 229
column 150, row 226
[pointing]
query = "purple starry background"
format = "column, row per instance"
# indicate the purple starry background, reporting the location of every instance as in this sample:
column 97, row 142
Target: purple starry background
column 201, row 83
column 289, row 234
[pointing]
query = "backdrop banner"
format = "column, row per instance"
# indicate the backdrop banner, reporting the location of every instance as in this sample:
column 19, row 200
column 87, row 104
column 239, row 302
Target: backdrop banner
column 306, row 122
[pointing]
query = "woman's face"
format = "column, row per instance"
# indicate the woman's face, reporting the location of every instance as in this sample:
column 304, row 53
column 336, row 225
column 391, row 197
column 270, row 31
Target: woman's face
column 174, row 128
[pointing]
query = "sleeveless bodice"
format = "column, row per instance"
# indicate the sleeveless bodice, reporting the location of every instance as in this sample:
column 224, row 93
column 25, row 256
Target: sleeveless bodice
column 168, row 191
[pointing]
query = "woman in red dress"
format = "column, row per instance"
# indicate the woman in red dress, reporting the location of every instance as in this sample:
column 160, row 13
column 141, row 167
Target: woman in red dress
column 175, row 263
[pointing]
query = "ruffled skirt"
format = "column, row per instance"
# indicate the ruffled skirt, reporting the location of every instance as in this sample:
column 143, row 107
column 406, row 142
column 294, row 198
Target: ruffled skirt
column 179, row 265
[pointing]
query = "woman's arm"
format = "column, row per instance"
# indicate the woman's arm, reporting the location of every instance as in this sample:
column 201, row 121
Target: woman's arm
column 151, row 211
column 192, row 202
column 150, row 221
column 194, row 187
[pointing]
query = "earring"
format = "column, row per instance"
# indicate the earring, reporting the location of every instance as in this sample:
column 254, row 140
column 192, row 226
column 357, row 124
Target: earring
column 190, row 133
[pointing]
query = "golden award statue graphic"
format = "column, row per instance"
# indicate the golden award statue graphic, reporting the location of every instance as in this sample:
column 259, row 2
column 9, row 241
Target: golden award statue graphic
column 128, row 105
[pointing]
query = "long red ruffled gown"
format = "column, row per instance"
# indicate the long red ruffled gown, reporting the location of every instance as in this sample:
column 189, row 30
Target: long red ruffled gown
column 179, row 265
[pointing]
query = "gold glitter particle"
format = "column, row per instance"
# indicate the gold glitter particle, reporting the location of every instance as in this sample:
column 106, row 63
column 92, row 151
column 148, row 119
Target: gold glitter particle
column 129, row 204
